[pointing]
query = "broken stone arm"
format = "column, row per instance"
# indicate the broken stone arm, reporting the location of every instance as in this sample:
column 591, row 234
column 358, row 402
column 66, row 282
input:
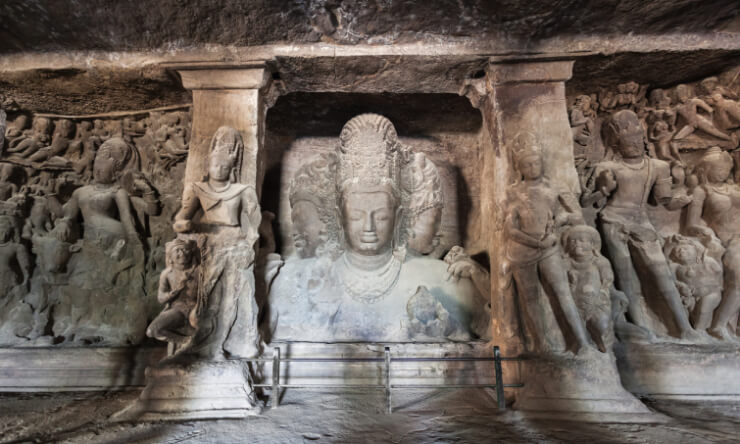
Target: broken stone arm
column 190, row 205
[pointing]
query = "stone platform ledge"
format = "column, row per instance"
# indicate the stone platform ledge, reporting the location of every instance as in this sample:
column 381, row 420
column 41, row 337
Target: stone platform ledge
column 373, row 373
column 69, row 369
column 679, row 371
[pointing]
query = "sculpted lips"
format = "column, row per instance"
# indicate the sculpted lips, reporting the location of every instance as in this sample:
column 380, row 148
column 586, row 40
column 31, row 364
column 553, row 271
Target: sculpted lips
column 369, row 238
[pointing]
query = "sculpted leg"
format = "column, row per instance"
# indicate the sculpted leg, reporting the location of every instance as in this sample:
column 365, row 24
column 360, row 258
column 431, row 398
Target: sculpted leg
column 164, row 327
column 537, row 315
column 654, row 259
column 553, row 274
column 625, row 277
column 730, row 305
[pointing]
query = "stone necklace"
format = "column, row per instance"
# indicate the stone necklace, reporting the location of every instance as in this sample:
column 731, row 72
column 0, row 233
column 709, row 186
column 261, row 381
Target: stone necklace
column 367, row 286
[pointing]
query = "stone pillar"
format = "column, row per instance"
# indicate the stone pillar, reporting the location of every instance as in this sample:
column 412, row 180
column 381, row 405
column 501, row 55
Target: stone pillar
column 226, row 96
column 515, row 97
column 210, row 382
column 528, row 96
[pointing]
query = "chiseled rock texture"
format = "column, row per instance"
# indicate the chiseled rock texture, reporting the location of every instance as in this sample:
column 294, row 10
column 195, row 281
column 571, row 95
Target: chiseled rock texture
column 135, row 24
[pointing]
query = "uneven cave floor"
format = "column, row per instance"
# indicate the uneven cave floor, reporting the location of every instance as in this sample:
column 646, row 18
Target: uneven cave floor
column 441, row 416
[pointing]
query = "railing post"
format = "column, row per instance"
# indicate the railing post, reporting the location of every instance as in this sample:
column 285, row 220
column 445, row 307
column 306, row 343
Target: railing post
column 500, row 399
column 388, row 379
column 275, row 377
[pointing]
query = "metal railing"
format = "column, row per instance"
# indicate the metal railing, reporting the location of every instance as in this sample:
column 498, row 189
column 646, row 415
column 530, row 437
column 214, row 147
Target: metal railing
column 497, row 359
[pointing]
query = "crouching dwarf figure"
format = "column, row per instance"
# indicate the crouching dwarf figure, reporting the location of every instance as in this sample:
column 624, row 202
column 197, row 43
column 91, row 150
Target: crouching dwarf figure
column 590, row 277
column 178, row 290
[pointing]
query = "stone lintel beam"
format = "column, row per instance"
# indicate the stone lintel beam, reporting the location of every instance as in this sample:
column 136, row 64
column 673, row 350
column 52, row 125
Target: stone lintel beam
column 231, row 95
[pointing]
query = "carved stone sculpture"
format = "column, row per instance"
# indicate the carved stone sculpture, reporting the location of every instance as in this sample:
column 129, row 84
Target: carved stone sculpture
column 630, row 238
column 227, row 213
column 698, row 277
column 178, row 290
column 212, row 310
column 364, row 293
column 689, row 117
column 536, row 211
column 713, row 212
column 110, row 262
column 590, row 277
column 33, row 140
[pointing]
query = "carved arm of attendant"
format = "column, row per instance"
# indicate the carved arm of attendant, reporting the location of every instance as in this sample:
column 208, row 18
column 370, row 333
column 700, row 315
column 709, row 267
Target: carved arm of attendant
column 512, row 229
column 663, row 189
column 695, row 225
column 24, row 261
column 190, row 206
column 251, row 216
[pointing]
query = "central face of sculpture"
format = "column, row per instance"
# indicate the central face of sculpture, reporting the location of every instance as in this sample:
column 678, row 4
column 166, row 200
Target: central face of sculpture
column 629, row 133
column 219, row 168
column 368, row 219
column 579, row 246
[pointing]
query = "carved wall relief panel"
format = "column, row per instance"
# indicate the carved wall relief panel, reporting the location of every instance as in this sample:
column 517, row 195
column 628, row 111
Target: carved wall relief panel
column 86, row 204
column 663, row 195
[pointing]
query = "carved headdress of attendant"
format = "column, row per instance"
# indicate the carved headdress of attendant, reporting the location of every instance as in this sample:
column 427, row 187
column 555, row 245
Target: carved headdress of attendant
column 221, row 203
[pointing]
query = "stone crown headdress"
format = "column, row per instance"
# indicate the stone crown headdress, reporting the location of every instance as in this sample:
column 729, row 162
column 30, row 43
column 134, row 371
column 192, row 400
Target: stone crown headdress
column 227, row 144
column 524, row 145
column 369, row 154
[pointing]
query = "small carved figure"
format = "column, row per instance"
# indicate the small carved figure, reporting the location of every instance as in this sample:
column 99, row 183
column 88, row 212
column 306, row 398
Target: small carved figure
column 591, row 278
column 422, row 192
column 15, row 129
column 582, row 118
column 628, row 233
column 29, row 143
column 698, row 277
column 7, row 187
column 63, row 134
column 726, row 112
column 171, row 138
column 535, row 212
column 428, row 317
column 13, row 258
column 178, row 290
column 688, row 115
column 662, row 135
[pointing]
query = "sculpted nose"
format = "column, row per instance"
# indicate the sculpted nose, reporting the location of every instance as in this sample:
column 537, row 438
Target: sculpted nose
column 369, row 222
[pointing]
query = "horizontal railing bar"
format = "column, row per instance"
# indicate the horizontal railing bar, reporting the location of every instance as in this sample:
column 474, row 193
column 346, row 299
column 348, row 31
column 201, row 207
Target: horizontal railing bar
column 383, row 386
column 460, row 359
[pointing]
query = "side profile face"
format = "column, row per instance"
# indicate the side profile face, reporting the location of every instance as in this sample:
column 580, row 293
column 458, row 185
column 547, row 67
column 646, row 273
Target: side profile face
column 181, row 257
column 685, row 254
column 425, row 231
column 580, row 245
column 530, row 167
column 307, row 228
column 629, row 132
column 104, row 167
column 219, row 168
column 368, row 219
